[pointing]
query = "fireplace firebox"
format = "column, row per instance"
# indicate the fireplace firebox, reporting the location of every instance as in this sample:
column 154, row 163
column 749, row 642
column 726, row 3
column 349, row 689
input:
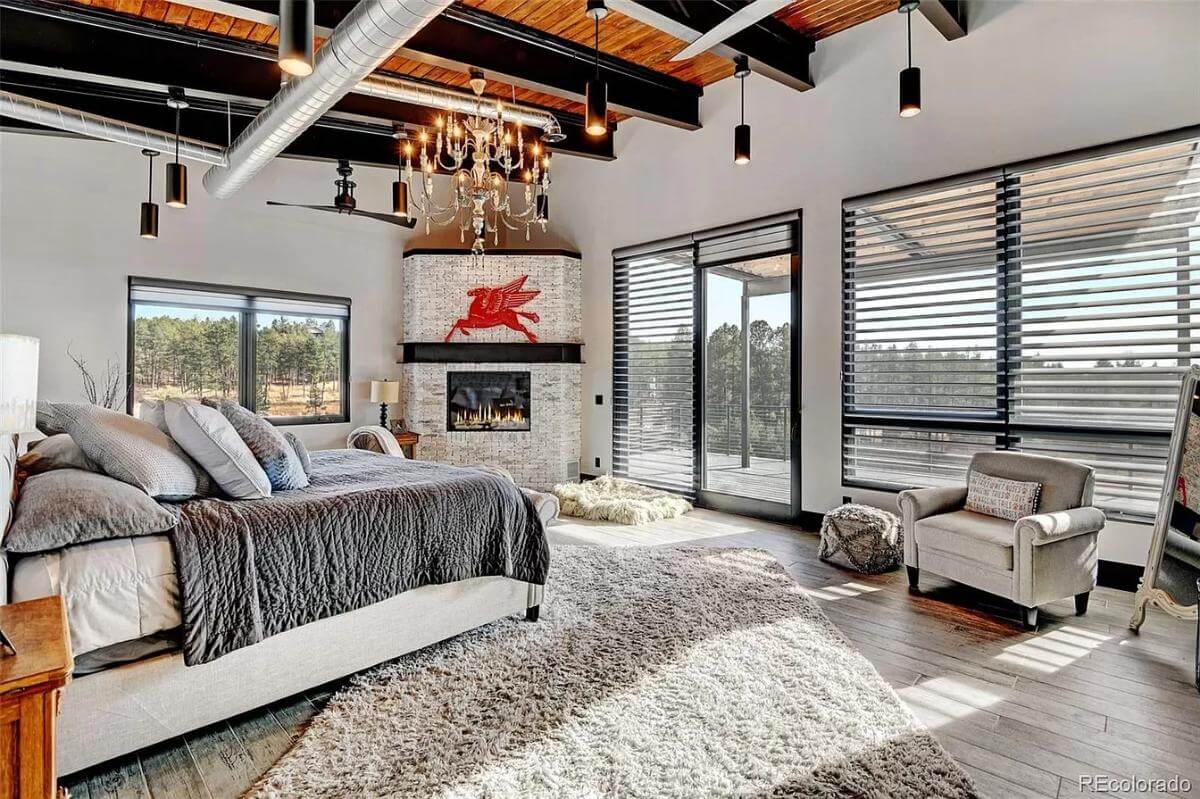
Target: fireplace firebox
column 478, row 402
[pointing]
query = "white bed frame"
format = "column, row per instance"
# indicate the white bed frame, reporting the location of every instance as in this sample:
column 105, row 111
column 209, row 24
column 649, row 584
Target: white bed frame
column 126, row 708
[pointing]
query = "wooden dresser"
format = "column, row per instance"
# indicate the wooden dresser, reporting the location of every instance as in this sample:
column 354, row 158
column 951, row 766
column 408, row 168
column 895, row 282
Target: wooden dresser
column 31, row 685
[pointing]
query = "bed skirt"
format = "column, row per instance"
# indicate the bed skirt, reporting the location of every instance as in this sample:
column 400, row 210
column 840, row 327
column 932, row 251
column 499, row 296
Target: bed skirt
column 143, row 703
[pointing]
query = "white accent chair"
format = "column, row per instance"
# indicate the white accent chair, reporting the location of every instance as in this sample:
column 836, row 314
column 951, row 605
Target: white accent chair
column 375, row 438
column 1042, row 558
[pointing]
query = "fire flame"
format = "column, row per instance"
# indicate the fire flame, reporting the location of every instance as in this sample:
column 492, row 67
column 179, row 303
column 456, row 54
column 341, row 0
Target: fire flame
column 489, row 415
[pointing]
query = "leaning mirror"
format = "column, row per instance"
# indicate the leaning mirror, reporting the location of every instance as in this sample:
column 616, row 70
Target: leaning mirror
column 1173, row 562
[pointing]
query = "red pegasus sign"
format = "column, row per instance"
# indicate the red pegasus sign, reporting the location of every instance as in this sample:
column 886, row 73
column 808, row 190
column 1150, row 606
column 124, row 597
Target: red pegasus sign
column 496, row 305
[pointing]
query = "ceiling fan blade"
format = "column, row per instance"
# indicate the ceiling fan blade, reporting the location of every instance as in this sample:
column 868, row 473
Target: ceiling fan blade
column 737, row 21
column 333, row 208
column 389, row 218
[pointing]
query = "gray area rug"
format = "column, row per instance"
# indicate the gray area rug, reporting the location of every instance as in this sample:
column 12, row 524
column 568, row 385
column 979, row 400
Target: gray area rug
column 653, row 673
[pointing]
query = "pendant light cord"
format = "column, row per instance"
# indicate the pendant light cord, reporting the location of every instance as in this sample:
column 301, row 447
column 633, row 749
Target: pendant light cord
column 150, row 181
column 743, row 80
column 597, row 46
column 909, row 16
column 177, row 112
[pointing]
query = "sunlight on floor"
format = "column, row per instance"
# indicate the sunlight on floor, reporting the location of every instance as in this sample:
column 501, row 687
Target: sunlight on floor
column 1052, row 650
column 835, row 592
column 941, row 700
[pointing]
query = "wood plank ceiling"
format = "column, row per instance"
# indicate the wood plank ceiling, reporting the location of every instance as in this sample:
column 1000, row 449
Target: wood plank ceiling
column 620, row 36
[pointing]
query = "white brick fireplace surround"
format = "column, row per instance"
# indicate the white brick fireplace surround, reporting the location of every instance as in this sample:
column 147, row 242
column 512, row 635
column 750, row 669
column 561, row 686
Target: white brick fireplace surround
column 435, row 296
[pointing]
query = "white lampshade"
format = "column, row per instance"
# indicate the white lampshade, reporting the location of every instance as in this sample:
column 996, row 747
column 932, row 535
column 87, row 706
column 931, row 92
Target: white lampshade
column 385, row 391
column 18, row 383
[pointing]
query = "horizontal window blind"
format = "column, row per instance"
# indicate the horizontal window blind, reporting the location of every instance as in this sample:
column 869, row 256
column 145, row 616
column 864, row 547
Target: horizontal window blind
column 1052, row 306
column 760, row 239
column 1103, row 282
column 654, row 369
column 921, row 334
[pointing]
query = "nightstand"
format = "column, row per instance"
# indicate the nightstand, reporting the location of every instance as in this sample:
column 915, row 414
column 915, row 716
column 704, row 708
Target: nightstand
column 408, row 441
column 31, row 685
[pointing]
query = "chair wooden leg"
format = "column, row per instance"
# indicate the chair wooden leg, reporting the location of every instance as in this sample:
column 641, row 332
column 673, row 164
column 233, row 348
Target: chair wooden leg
column 914, row 578
column 1031, row 618
column 1081, row 601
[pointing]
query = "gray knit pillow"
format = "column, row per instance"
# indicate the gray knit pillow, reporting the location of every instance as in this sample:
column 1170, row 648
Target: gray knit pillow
column 301, row 453
column 133, row 451
column 273, row 452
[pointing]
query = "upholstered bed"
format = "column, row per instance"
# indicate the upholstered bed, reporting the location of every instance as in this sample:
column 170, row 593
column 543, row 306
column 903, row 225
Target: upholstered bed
column 131, row 624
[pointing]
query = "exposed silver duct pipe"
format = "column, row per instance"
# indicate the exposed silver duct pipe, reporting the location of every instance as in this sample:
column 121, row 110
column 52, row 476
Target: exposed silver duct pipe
column 52, row 115
column 404, row 91
column 362, row 41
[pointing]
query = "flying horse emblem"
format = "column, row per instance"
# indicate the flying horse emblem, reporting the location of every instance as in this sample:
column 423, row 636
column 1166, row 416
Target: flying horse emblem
column 497, row 305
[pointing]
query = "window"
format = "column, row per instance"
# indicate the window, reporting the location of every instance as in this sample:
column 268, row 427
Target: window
column 283, row 355
column 1048, row 308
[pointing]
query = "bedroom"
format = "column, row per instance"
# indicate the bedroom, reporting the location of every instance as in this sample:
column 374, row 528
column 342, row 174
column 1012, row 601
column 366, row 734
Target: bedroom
column 760, row 414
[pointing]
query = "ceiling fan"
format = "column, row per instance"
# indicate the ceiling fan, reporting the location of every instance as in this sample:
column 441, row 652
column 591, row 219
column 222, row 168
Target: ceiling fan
column 737, row 21
column 344, row 202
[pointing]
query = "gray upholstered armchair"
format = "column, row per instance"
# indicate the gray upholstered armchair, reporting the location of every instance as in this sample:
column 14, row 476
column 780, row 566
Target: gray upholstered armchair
column 1042, row 558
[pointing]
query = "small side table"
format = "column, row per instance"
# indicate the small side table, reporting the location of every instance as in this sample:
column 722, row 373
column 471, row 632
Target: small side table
column 408, row 441
column 31, row 686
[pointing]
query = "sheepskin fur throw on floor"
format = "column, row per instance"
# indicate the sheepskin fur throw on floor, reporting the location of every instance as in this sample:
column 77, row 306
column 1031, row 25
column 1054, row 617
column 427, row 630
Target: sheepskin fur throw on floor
column 653, row 673
column 616, row 500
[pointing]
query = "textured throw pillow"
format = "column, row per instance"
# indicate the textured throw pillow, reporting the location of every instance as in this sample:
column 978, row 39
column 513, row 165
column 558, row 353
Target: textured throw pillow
column 134, row 452
column 1004, row 499
column 276, row 456
column 73, row 506
column 154, row 412
column 208, row 437
column 301, row 453
column 48, row 421
column 56, row 452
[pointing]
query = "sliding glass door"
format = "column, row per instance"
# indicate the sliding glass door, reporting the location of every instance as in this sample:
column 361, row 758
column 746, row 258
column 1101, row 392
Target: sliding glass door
column 706, row 366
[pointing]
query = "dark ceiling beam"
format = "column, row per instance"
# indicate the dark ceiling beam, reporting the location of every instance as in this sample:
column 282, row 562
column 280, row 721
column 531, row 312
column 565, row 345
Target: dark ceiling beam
column 775, row 50
column 54, row 35
column 949, row 17
column 462, row 37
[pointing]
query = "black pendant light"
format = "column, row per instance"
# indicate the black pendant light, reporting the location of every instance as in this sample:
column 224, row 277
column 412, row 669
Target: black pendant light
column 149, row 229
column 177, row 195
column 741, row 133
column 596, row 118
column 399, row 188
column 910, row 78
column 296, row 37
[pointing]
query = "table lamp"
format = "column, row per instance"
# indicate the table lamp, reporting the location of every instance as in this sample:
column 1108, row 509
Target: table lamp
column 384, row 392
column 18, row 401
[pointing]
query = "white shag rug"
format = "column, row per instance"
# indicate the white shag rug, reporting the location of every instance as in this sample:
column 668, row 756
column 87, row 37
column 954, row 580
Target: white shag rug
column 612, row 499
column 653, row 673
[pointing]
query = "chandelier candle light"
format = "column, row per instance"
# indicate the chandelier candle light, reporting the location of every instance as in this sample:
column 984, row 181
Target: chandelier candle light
column 481, row 151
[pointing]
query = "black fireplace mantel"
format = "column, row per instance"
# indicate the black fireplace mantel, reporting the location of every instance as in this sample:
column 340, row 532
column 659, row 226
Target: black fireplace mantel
column 490, row 352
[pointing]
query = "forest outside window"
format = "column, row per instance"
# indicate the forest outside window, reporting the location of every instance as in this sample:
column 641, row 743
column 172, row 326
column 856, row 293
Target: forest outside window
column 283, row 355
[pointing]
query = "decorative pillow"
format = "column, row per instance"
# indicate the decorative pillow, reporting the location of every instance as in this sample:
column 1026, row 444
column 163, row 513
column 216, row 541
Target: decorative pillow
column 47, row 418
column 56, row 452
column 154, row 412
column 134, row 452
column 1004, row 499
column 73, row 506
column 208, row 437
column 277, row 457
column 301, row 453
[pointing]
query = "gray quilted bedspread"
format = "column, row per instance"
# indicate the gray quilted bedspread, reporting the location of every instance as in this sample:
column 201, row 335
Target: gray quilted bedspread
column 368, row 527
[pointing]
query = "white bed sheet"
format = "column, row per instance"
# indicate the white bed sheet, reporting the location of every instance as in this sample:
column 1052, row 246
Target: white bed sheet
column 114, row 591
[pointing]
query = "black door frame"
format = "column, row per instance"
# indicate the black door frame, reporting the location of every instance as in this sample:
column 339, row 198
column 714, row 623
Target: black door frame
column 792, row 513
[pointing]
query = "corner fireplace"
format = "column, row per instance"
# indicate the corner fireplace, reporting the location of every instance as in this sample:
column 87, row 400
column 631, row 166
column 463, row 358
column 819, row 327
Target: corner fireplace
column 478, row 402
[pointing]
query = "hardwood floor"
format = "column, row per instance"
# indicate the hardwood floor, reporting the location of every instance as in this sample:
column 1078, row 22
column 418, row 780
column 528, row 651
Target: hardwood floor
column 1028, row 714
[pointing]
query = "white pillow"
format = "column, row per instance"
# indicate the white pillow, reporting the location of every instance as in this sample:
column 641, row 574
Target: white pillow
column 210, row 439
column 154, row 412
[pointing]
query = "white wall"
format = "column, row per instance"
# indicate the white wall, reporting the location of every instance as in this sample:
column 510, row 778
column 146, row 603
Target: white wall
column 1030, row 79
column 68, row 243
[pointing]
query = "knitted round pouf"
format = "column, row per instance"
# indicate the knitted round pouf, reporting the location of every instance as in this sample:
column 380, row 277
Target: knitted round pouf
column 869, row 539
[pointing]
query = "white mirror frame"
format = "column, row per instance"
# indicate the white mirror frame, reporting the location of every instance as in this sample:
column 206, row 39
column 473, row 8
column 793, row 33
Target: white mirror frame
column 1147, row 594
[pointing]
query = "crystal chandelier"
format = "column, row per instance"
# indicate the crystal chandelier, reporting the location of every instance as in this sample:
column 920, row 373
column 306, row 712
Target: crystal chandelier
column 481, row 152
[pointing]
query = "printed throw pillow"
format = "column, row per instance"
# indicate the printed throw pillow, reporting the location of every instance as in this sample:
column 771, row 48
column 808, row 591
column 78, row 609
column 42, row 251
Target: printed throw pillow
column 56, row 452
column 1004, row 499
column 276, row 456
column 133, row 451
column 208, row 437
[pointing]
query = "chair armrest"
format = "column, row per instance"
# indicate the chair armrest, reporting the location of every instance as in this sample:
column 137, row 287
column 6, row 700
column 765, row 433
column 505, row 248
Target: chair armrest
column 921, row 503
column 1046, row 528
column 1183, row 549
